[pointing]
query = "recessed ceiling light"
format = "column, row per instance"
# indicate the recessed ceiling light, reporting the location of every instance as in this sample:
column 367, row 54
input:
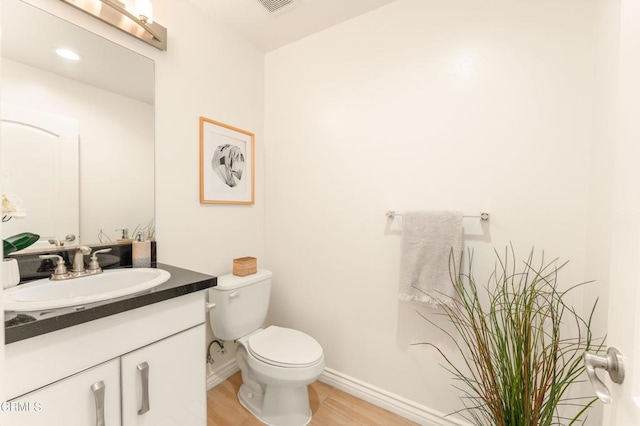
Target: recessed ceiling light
column 464, row 65
column 68, row 54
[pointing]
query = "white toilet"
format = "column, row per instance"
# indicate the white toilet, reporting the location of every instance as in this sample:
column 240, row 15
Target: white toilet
column 277, row 363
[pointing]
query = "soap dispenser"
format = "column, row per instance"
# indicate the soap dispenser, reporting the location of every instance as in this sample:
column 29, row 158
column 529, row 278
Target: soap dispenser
column 141, row 252
column 124, row 234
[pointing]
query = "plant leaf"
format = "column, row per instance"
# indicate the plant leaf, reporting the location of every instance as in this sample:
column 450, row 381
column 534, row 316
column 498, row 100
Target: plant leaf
column 19, row 242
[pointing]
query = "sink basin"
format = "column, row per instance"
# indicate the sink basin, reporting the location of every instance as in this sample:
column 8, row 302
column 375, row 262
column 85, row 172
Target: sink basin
column 45, row 294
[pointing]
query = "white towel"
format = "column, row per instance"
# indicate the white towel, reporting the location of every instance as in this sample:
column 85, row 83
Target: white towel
column 428, row 239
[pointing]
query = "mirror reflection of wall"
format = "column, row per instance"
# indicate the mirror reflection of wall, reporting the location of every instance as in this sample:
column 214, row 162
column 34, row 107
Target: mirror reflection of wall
column 36, row 144
column 109, row 92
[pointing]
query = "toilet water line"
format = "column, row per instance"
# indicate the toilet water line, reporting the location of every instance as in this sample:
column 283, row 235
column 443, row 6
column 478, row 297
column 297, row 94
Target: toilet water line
column 222, row 350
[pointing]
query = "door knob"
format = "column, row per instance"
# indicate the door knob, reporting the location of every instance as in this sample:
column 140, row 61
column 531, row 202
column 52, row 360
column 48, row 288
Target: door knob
column 612, row 362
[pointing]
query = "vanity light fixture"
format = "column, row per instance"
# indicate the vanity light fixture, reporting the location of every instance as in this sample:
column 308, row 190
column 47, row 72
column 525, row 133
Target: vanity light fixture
column 68, row 54
column 134, row 18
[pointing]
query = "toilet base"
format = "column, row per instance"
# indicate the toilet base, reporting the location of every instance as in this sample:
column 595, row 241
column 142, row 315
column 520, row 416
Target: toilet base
column 278, row 405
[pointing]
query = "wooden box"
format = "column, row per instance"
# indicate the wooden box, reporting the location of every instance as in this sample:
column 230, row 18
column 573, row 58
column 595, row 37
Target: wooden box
column 244, row 266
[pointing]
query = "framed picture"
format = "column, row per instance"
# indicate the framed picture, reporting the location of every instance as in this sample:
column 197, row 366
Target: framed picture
column 227, row 164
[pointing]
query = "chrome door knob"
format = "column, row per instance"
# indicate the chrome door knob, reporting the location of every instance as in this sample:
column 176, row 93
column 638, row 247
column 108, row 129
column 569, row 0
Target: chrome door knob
column 612, row 362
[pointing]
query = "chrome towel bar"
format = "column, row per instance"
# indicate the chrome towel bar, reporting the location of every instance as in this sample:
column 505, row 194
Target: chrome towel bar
column 483, row 216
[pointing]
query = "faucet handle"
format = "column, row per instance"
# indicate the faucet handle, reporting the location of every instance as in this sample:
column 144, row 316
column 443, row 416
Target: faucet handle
column 107, row 250
column 83, row 249
column 60, row 272
column 94, row 267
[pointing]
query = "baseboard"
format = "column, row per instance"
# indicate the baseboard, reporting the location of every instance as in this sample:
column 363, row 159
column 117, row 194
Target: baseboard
column 222, row 373
column 396, row 404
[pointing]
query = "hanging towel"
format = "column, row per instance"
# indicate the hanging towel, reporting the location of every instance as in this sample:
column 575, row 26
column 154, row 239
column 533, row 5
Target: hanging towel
column 428, row 239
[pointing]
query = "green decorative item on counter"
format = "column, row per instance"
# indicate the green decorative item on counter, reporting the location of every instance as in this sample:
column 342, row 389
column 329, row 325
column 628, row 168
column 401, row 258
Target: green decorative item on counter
column 148, row 232
column 12, row 208
column 521, row 344
column 18, row 242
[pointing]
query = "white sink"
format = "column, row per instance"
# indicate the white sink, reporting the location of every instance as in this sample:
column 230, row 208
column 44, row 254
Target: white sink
column 46, row 294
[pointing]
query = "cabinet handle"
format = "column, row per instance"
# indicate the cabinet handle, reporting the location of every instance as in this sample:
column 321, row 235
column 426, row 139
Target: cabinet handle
column 98, row 397
column 143, row 369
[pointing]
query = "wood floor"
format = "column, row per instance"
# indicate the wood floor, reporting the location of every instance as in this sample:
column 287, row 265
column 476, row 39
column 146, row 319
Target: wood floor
column 330, row 407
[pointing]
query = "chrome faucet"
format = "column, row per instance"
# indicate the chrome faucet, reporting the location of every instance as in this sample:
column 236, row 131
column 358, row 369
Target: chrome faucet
column 59, row 243
column 78, row 269
column 78, row 259
column 56, row 243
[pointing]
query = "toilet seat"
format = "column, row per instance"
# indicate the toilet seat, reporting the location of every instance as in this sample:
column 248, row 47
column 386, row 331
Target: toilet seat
column 284, row 347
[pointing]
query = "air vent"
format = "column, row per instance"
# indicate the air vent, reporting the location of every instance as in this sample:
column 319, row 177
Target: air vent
column 275, row 5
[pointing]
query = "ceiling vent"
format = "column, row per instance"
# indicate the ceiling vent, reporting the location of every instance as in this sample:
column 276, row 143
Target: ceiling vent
column 275, row 5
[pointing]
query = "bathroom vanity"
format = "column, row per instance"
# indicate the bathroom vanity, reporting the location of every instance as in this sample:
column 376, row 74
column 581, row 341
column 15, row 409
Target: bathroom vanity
column 138, row 360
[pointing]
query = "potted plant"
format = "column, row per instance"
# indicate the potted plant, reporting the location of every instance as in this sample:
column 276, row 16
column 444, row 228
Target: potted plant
column 522, row 344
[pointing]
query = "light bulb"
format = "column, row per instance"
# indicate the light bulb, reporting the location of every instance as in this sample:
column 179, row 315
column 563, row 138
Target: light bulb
column 144, row 10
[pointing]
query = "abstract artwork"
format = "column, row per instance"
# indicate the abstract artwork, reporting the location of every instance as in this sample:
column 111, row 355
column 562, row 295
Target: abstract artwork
column 226, row 164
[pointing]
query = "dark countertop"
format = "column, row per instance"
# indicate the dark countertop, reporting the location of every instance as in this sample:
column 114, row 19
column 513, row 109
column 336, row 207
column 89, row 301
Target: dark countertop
column 26, row 325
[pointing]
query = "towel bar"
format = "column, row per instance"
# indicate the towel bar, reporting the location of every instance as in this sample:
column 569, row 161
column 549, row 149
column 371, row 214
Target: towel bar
column 482, row 216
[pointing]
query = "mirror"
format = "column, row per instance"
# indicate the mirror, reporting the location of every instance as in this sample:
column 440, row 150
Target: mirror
column 109, row 95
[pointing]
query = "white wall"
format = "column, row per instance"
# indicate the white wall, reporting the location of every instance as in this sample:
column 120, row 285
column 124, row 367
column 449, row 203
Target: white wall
column 116, row 146
column 382, row 113
column 208, row 72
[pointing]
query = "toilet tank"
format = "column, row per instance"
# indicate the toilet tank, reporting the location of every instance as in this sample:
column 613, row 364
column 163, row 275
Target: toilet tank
column 241, row 304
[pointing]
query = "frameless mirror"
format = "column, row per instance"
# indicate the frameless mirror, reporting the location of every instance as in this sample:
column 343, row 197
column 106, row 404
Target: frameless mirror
column 77, row 143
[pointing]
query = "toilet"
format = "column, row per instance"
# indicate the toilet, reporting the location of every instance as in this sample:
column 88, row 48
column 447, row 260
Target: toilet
column 277, row 363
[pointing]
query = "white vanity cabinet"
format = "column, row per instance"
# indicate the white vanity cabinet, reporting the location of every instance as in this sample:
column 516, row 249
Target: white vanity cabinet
column 162, row 383
column 150, row 361
column 79, row 400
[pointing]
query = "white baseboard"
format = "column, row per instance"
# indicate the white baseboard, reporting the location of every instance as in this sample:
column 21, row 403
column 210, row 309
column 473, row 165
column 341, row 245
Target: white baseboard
column 221, row 374
column 396, row 404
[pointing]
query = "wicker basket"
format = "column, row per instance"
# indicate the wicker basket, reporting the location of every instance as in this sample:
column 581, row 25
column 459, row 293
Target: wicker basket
column 244, row 266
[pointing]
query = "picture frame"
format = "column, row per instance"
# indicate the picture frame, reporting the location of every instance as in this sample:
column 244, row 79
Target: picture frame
column 227, row 164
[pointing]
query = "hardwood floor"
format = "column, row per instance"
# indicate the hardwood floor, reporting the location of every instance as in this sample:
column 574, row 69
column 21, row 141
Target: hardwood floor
column 330, row 407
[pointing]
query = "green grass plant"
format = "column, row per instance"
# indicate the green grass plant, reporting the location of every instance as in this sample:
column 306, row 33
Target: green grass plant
column 522, row 344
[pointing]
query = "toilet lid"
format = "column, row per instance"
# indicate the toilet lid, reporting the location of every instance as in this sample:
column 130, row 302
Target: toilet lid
column 285, row 347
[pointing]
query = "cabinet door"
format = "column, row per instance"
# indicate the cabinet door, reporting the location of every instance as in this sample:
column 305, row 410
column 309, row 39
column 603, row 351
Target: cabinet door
column 91, row 397
column 165, row 383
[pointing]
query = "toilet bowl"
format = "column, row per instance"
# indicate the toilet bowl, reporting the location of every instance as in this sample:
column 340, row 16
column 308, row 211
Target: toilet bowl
column 277, row 363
